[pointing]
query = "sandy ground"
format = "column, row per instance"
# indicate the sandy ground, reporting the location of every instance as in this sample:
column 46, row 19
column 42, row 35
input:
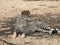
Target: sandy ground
column 48, row 10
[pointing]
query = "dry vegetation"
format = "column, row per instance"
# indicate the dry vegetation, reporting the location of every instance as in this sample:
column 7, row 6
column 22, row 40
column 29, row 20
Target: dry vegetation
column 10, row 9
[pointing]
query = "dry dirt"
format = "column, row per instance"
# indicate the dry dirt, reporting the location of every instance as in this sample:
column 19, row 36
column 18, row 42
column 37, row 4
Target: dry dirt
column 10, row 9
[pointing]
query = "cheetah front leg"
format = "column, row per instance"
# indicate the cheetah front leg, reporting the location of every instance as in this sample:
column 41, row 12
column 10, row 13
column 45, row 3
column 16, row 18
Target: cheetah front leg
column 15, row 34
